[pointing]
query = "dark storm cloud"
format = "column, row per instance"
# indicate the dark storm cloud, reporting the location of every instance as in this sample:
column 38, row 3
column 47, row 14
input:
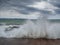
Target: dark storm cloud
column 19, row 2
column 21, row 6
column 57, row 11
column 55, row 2
column 24, row 9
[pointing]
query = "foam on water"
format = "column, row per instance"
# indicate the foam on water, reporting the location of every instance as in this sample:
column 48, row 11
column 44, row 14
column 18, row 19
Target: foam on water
column 41, row 28
column 29, row 29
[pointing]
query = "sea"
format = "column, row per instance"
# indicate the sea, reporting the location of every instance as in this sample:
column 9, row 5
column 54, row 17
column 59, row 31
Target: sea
column 14, row 21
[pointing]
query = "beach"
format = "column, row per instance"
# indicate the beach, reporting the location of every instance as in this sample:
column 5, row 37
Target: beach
column 4, row 41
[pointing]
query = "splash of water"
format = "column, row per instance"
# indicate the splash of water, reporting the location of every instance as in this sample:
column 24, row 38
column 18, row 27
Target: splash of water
column 30, row 29
column 40, row 28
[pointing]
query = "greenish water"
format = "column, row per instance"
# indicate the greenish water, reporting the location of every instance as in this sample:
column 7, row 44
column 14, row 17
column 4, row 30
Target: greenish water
column 15, row 21
column 56, row 20
column 21, row 21
column 12, row 21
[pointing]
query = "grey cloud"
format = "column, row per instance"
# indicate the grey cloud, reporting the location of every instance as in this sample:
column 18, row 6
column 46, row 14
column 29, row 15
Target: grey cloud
column 57, row 11
column 21, row 6
column 55, row 3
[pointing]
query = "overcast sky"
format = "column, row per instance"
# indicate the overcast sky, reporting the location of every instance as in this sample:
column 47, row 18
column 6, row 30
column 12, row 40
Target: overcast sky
column 13, row 8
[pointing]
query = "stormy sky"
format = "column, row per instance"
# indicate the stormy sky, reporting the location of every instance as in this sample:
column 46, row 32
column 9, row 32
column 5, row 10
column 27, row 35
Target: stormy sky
column 16, row 8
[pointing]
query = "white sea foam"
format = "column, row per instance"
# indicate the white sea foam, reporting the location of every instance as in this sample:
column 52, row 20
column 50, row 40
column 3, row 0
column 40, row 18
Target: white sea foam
column 41, row 28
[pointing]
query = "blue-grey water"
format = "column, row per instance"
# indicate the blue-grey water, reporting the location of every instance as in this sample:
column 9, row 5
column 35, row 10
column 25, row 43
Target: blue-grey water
column 12, row 21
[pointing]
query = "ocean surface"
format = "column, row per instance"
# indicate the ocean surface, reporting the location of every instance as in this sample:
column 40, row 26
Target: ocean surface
column 38, row 29
column 14, row 21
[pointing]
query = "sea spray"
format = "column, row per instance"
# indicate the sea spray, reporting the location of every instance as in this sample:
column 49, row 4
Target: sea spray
column 29, row 29
column 41, row 28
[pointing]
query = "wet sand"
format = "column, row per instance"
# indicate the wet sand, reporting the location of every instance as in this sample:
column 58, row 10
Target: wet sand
column 4, row 41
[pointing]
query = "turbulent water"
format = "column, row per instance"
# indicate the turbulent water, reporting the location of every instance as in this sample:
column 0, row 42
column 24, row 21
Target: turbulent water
column 40, row 28
column 47, row 24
